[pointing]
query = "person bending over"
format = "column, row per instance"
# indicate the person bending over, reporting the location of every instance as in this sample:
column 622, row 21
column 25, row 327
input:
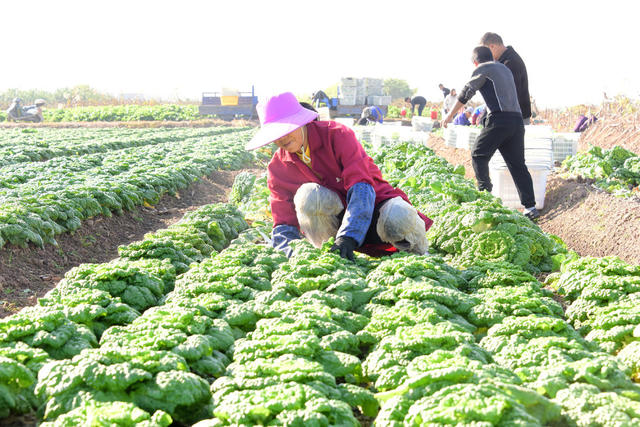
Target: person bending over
column 323, row 184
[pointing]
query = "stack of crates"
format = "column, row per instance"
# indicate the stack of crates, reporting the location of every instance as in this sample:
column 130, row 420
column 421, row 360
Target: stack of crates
column 373, row 87
column 388, row 133
column 355, row 91
column 348, row 90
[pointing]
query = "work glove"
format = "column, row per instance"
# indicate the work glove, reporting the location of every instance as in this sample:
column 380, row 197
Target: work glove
column 345, row 246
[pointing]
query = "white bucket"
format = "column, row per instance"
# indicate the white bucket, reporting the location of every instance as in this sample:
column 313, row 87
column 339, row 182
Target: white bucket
column 505, row 188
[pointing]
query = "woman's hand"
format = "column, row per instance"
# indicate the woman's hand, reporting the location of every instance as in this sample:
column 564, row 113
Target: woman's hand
column 345, row 246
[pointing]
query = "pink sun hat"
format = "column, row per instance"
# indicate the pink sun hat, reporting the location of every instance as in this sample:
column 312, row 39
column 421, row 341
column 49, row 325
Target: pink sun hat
column 279, row 115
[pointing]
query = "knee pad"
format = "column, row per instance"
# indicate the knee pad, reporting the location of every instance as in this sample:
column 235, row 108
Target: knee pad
column 317, row 210
column 400, row 225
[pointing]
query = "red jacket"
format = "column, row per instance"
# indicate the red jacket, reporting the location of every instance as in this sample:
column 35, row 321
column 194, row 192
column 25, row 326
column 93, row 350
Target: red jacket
column 338, row 162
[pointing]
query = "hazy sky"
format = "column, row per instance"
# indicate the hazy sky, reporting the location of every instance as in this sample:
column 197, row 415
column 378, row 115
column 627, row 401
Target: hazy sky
column 574, row 50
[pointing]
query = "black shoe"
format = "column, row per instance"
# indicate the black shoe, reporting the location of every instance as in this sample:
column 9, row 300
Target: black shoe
column 533, row 214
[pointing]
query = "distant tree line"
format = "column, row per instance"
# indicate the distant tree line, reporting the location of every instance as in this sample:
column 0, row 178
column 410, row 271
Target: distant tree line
column 71, row 96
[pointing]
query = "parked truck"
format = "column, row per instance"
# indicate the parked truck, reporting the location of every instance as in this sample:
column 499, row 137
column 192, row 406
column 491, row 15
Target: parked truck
column 229, row 105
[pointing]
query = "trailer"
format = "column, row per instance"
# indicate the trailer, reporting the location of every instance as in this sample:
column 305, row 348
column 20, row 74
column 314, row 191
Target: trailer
column 224, row 107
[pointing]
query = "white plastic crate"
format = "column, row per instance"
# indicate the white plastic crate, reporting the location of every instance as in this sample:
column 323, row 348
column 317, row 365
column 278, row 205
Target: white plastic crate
column 360, row 99
column 533, row 155
column 365, row 133
column 537, row 143
column 348, row 91
column 389, row 133
column 368, row 81
column 348, row 100
column 565, row 145
column 449, row 135
column 538, row 131
column 374, row 91
column 473, row 135
column 421, row 124
column 227, row 91
column 324, row 114
column 462, row 136
column 349, row 81
column 378, row 100
column 505, row 188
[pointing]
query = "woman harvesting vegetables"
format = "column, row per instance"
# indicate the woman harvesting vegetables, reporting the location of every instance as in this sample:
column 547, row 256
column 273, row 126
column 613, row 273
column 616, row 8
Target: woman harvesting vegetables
column 324, row 185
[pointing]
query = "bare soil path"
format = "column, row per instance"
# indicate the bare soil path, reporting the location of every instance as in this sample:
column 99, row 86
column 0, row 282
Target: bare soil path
column 28, row 273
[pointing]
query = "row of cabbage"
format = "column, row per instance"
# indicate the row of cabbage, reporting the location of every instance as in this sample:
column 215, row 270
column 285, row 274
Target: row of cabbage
column 119, row 113
column 32, row 145
column 318, row 340
column 123, row 113
column 616, row 170
column 248, row 337
column 93, row 301
column 39, row 200
column 469, row 225
column 603, row 296
column 603, row 290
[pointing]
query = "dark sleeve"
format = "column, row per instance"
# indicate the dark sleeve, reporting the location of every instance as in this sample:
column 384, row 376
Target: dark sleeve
column 520, row 78
column 515, row 69
column 470, row 89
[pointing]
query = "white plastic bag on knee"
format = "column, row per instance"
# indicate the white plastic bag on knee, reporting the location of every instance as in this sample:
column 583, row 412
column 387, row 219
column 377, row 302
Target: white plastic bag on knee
column 317, row 210
column 400, row 225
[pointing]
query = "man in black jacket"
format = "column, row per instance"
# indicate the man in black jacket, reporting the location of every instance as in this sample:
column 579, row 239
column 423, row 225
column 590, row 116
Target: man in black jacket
column 509, row 57
column 503, row 131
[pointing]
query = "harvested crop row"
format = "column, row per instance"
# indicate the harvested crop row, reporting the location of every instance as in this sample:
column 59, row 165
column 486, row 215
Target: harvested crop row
column 123, row 113
column 309, row 340
column 616, row 170
column 31, row 145
column 93, row 297
column 578, row 376
column 426, row 363
column 603, row 296
column 42, row 199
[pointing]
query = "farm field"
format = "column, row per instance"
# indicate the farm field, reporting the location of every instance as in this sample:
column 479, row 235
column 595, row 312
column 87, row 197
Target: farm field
column 178, row 313
column 119, row 113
